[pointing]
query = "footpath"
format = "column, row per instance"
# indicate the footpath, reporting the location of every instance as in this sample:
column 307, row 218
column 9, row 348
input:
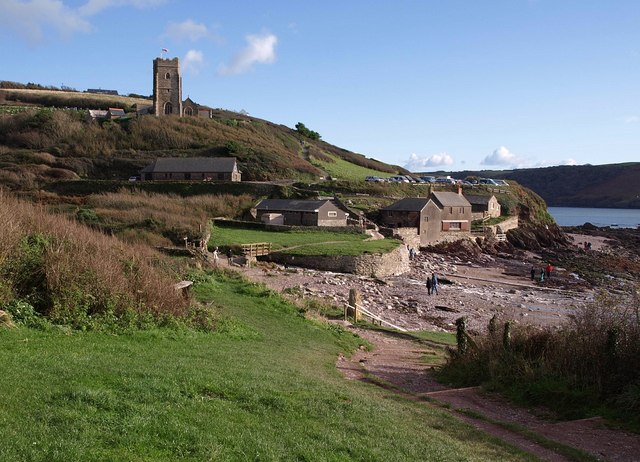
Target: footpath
column 397, row 363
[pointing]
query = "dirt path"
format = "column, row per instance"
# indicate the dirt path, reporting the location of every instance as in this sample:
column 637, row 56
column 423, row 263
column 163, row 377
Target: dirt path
column 397, row 363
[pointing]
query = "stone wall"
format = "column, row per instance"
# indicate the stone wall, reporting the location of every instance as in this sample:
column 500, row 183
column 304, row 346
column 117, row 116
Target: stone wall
column 409, row 236
column 376, row 265
column 506, row 225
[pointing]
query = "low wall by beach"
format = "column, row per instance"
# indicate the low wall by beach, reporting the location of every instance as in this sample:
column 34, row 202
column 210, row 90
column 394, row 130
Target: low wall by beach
column 376, row 265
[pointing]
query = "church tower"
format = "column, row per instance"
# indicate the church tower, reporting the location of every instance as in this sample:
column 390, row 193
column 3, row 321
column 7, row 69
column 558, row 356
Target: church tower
column 167, row 87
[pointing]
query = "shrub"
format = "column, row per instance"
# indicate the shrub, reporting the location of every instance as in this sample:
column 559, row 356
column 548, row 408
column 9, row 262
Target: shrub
column 71, row 274
column 593, row 360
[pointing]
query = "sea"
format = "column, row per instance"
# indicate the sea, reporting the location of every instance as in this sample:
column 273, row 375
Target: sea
column 576, row 216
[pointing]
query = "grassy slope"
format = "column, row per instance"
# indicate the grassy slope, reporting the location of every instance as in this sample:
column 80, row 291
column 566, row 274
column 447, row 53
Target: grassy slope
column 343, row 170
column 265, row 388
column 264, row 150
column 313, row 241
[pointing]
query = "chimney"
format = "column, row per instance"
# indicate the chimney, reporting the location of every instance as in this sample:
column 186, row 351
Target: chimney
column 460, row 190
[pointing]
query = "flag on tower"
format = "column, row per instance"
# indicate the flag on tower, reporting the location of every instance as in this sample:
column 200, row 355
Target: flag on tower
column 164, row 50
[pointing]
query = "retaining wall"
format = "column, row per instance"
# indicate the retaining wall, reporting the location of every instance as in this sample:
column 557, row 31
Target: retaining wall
column 376, row 265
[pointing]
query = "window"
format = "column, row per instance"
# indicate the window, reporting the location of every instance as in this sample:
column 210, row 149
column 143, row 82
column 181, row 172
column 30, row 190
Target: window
column 168, row 108
column 332, row 214
column 167, row 75
column 188, row 111
column 454, row 226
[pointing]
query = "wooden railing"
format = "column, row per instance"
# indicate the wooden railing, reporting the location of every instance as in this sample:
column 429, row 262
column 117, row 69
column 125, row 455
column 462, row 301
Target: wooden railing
column 359, row 310
column 257, row 249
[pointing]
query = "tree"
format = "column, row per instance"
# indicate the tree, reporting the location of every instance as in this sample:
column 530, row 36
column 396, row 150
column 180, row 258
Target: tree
column 304, row 131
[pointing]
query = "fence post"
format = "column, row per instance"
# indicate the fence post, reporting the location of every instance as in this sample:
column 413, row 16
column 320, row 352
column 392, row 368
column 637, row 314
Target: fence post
column 461, row 335
column 506, row 336
column 354, row 302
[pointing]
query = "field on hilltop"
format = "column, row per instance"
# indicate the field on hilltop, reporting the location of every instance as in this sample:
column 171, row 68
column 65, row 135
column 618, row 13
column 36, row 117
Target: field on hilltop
column 56, row 123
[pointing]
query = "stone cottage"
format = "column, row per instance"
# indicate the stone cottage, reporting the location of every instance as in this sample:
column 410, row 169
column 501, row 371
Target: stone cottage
column 442, row 216
column 192, row 168
column 301, row 212
column 483, row 206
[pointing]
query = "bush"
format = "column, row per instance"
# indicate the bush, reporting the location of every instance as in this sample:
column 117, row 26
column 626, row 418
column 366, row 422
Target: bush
column 592, row 361
column 72, row 274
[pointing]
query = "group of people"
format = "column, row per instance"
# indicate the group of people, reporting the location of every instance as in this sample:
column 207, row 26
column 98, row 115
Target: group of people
column 432, row 284
column 544, row 273
column 216, row 256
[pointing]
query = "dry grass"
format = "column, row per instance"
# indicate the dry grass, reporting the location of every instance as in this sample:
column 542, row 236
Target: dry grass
column 163, row 214
column 68, row 271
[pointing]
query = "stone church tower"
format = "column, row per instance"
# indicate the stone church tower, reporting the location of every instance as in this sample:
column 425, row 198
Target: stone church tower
column 167, row 87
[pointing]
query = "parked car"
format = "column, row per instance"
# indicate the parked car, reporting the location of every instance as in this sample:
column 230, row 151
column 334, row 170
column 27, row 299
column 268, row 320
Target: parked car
column 134, row 178
column 487, row 181
column 399, row 179
column 373, row 178
column 428, row 179
column 501, row 183
column 443, row 180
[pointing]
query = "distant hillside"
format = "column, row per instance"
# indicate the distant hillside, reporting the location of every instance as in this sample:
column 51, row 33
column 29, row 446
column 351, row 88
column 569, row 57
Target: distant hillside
column 612, row 185
column 114, row 149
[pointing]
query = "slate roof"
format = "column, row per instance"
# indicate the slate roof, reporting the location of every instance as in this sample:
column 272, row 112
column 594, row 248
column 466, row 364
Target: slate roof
column 478, row 200
column 409, row 204
column 191, row 165
column 290, row 205
column 449, row 199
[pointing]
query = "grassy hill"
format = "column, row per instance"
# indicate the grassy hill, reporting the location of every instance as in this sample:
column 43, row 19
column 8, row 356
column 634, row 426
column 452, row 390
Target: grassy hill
column 33, row 122
column 262, row 387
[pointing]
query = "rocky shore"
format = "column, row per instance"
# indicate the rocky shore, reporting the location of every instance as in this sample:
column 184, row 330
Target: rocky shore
column 476, row 289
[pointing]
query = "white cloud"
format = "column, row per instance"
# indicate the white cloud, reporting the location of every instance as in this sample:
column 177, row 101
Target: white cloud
column 193, row 62
column 417, row 163
column 502, row 156
column 569, row 162
column 96, row 6
column 632, row 120
column 260, row 49
column 32, row 19
column 186, row 30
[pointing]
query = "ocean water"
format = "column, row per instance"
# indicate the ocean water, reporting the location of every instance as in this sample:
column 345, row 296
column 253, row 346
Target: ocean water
column 576, row 216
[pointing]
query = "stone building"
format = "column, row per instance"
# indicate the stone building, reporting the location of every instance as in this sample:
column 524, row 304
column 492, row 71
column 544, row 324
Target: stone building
column 483, row 206
column 442, row 216
column 167, row 87
column 167, row 92
column 301, row 212
column 192, row 169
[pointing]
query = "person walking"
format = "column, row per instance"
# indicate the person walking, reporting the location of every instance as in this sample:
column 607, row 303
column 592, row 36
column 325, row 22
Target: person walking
column 548, row 270
column 434, row 284
column 428, row 285
column 542, row 275
column 533, row 273
column 215, row 257
column 229, row 256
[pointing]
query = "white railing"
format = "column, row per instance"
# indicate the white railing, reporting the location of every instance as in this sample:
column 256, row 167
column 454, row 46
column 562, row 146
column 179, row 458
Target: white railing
column 362, row 310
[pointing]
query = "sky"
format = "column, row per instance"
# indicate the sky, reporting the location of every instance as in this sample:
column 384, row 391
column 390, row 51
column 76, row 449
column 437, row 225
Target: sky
column 429, row 85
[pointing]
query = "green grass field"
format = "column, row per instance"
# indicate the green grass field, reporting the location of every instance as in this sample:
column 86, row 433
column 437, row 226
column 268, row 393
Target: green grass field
column 343, row 170
column 302, row 242
column 264, row 387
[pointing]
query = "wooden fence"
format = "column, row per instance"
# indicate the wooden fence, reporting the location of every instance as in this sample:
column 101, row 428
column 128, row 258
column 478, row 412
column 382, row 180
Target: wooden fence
column 257, row 249
column 359, row 310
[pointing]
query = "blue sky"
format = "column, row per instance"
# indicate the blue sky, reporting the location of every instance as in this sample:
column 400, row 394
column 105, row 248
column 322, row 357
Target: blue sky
column 425, row 84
